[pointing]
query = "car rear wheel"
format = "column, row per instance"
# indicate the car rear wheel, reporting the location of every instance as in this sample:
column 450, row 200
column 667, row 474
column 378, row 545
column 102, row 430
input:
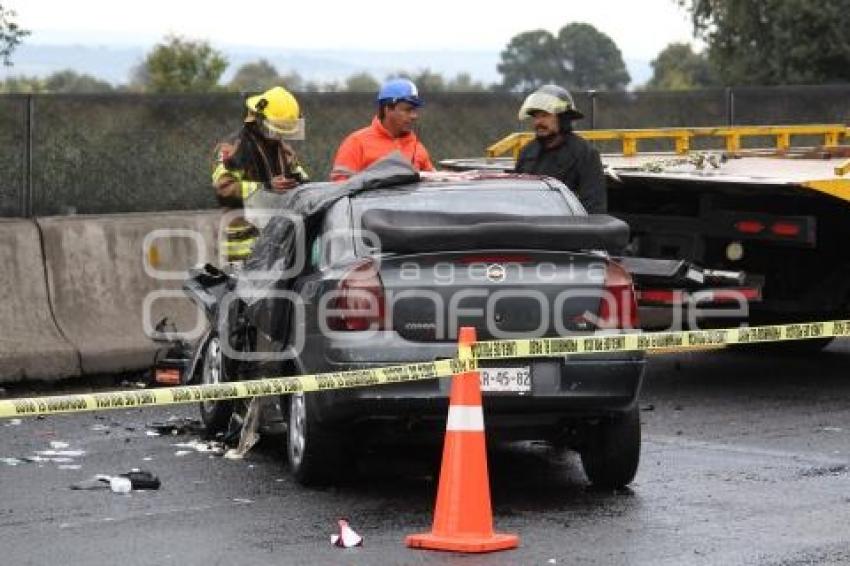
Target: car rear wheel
column 316, row 455
column 611, row 456
column 214, row 414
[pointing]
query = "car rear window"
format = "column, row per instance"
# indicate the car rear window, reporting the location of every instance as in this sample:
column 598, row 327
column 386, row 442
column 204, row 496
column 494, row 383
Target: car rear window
column 481, row 200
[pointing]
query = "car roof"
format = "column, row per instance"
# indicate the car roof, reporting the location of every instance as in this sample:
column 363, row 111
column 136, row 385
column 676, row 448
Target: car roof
column 461, row 181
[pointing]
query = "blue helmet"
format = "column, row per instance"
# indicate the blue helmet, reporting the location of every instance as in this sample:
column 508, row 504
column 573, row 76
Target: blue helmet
column 399, row 90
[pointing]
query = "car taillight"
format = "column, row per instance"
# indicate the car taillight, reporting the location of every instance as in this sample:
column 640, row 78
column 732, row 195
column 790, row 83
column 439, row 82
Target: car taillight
column 359, row 302
column 618, row 308
column 787, row 229
column 749, row 226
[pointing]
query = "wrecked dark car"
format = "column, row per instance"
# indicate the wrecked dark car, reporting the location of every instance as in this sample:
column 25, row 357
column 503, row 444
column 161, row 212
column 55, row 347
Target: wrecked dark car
column 392, row 264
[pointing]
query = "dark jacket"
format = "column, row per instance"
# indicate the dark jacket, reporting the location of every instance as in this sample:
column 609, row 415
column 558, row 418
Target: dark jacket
column 575, row 163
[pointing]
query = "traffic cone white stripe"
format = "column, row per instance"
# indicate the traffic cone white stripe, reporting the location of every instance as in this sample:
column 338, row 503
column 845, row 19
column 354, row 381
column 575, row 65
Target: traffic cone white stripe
column 465, row 418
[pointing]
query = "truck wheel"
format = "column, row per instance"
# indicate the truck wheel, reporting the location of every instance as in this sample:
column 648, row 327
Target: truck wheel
column 214, row 414
column 316, row 455
column 612, row 453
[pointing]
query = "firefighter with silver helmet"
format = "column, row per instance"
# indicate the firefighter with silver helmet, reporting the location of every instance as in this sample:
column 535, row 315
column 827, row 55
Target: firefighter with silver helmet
column 257, row 158
column 558, row 152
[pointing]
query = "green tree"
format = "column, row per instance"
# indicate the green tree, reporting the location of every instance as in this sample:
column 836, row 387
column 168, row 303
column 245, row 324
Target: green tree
column 463, row 83
column 428, row 81
column 590, row 60
column 530, row 60
column 182, row 65
column 22, row 84
column 11, row 35
column 361, row 82
column 677, row 67
column 292, row 81
column 425, row 80
column 253, row 77
column 579, row 57
column 69, row 80
column 775, row 41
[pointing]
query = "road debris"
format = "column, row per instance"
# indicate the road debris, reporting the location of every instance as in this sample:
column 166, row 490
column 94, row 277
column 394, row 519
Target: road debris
column 119, row 484
column 346, row 537
column 175, row 426
column 135, row 479
column 142, row 479
column 204, row 446
column 55, row 455
column 248, row 436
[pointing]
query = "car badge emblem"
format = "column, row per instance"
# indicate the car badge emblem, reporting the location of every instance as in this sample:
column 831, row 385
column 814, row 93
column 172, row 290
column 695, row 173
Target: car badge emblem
column 496, row 273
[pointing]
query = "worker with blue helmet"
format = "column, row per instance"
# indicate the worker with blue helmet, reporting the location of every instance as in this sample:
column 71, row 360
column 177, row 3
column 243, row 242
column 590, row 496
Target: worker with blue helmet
column 391, row 130
column 399, row 90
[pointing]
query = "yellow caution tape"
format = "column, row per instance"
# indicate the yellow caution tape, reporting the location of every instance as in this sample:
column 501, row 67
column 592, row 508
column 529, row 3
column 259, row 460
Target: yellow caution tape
column 602, row 342
column 649, row 341
column 34, row 406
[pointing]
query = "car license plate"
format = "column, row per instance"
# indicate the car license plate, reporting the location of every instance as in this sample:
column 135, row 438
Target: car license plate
column 508, row 380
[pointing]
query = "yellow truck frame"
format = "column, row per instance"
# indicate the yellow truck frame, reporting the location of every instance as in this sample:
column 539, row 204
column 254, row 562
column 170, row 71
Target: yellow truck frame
column 734, row 138
column 780, row 212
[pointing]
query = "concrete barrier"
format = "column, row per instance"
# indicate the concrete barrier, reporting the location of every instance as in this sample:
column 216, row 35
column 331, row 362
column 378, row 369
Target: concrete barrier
column 104, row 272
column 31, row 346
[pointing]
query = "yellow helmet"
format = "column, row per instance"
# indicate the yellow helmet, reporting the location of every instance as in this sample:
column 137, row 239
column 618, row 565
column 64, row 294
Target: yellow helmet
column 279, row 113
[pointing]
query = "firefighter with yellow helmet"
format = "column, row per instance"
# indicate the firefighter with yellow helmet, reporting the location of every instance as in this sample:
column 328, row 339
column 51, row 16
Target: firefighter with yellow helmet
column 254, row 159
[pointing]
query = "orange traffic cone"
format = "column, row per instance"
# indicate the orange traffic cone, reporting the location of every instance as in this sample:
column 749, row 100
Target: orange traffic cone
column 463, row 520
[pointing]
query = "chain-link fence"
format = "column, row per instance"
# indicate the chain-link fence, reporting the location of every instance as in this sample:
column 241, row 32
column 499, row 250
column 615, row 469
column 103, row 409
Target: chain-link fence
column 14, row 154
column 100, row 153
column 124, row 153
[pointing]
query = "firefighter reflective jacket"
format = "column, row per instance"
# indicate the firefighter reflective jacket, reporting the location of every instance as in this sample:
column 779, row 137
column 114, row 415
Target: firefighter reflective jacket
column 367, row 145
column 237, row 181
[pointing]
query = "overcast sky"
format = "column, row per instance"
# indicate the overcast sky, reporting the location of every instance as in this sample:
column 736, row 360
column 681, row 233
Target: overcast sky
column 641, row 29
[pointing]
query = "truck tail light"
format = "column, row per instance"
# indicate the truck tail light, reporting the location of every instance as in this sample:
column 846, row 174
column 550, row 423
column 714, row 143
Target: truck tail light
column 788, row 229
column 749, row 226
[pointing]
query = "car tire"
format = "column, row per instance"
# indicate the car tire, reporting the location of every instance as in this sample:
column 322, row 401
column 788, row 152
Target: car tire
column 316, row 455
column 214, row 414
column 611, row 456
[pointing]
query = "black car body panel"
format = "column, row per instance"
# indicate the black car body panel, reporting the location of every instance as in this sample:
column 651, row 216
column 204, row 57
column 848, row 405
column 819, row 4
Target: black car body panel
column 563, row 390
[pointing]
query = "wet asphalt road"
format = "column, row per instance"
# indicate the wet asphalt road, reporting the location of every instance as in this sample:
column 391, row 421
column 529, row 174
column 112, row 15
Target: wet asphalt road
column 746, row 460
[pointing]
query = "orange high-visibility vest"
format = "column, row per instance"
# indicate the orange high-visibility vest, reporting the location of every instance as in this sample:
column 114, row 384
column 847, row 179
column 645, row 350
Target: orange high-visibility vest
column 367, row 145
